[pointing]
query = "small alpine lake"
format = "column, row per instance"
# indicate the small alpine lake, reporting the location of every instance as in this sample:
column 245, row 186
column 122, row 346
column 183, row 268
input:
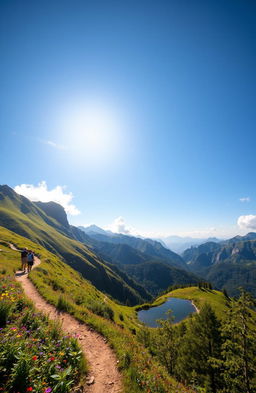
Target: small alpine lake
column 181, row 308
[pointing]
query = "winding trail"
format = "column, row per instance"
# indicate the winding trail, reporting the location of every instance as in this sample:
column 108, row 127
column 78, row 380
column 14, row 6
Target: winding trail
column 104, row 376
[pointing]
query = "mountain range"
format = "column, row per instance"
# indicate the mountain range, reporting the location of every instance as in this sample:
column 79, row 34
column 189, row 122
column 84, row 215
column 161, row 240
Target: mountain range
column 130, row 269
column 99, row 256
column 145, row 260
column 229, row 264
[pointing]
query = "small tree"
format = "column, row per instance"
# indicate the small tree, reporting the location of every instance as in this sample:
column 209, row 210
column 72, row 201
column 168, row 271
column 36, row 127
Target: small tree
column 165, row 343
column 239, row 346
column 199, row 351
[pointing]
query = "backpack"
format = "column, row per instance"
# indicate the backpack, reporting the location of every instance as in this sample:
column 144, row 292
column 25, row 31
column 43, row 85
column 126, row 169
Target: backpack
column 30, row 257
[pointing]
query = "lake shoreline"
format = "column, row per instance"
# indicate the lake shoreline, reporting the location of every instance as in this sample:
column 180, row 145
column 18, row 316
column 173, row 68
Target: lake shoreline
column 181, row 309
column 197, row 309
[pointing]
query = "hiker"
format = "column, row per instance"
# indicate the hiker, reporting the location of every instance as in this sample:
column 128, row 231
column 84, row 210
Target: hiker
column 24, row 259
column 30, row 260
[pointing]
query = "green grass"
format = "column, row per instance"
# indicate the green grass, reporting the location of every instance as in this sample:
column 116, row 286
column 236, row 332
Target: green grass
column 55, row 280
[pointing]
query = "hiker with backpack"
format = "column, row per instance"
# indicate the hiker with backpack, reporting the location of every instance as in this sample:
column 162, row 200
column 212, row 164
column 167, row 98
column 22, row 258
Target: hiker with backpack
column 30, row 258
column 24, row 259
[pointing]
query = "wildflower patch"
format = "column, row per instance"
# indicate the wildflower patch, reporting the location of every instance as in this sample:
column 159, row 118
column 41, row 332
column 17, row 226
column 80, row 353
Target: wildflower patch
column 34, row 354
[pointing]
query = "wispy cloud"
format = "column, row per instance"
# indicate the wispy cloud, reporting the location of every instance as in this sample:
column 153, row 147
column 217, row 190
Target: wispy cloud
column 53, row 144
column 245, row 199
column 41, row 193
column 247, row 222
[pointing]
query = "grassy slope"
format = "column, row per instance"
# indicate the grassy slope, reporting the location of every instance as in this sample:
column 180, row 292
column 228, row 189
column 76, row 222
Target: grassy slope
column 54, row 279
column 23, row 217
column 24, row 366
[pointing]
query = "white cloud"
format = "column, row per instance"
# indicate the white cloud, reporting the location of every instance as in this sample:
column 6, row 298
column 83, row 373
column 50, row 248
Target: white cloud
column 119, row 226
column 53, row 144
column 41, row 193
column 245, row 199
column 247, row 222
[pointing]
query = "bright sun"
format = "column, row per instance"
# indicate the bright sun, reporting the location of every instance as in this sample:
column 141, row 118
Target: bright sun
column 92, row 133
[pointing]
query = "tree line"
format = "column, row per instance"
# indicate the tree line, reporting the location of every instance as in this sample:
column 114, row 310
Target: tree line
column 209, row 354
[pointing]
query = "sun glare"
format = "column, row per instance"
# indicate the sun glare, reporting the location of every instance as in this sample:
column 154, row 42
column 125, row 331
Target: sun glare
column 93, row 133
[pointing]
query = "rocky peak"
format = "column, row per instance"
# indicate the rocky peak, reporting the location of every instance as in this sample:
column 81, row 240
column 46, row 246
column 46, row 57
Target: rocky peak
column 54, row 210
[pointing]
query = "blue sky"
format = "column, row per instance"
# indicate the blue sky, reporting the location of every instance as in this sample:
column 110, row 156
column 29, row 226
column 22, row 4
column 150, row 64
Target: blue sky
column 143, row 110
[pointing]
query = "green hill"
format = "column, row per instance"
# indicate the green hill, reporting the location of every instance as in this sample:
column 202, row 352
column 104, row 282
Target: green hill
column 53, row 232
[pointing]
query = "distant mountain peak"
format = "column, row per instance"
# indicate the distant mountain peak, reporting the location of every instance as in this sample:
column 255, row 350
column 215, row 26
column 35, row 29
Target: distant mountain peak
column 93, row 229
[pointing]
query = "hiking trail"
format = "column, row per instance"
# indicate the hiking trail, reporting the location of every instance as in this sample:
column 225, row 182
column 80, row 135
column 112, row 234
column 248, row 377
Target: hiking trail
column 103, row 376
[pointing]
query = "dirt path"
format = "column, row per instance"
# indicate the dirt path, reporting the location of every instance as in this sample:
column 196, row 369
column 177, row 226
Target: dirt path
column 101, row 359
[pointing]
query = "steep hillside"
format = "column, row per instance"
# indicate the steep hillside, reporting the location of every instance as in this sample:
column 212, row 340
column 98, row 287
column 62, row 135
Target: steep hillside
column 200, row 258
column 120, row 254
column 155, row 273
column 51, row 231
column 156, row 277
